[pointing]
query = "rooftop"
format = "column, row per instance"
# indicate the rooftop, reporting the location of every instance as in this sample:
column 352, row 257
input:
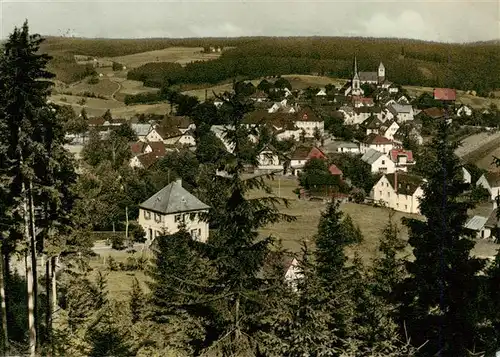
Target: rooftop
column 376, row 139
column 173, row 198
column 406, row 184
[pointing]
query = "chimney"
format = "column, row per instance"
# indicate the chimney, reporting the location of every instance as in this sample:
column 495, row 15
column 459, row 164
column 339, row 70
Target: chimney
column 396, row 181
column 178, row 182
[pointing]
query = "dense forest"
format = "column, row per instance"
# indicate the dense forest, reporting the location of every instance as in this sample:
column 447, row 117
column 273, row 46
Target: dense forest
column 407, row 62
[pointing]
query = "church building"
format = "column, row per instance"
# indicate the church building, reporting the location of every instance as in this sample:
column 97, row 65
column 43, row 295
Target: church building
column 354, row 86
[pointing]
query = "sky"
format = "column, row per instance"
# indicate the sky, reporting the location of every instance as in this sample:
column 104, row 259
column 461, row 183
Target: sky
column 443, row 21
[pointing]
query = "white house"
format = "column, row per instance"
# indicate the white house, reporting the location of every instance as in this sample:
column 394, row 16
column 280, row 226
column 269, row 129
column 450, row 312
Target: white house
column 308, row 121
column 478, row 224
column 219, row 131
column 399, row 191
column 464, row 111
column 467, row 175
column 145, row 160
column 379, row 162
column 348, row 113
column 301, row 155
column 377, row 142
column 285, row 134
column 491, row 182
column 345, row 147
column 404, row 112
column 141, row 130
column 391, row 128
column 163, row 212
column 270, row 160
column 402, row 159
column 187, row 138
column 321, row 93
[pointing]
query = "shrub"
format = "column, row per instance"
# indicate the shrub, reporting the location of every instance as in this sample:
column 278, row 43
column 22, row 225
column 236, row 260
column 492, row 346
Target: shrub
column 93, row 80
column 111, row 264
column 118, row 242
column 137, row 232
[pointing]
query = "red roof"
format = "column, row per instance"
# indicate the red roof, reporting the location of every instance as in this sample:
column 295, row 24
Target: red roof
column 96, row 121
column 334, row 170
column 375, row 139
column 148, row 159
column 363, row 100
column 434, row 112
column 137, row 148
column 316, row 153
column 399, row 152
column 307, row 114
column 158, row 147
column 445, row 94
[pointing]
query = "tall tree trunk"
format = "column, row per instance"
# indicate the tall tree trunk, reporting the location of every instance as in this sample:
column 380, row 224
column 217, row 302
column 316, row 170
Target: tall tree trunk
column 48, row 305
column 29, row 278
column 53, row 300
column 34, row 264
column 4, row 309
column 129, row 242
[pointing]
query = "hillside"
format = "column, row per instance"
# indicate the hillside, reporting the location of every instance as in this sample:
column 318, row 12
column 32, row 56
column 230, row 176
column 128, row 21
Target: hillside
column 408, row 62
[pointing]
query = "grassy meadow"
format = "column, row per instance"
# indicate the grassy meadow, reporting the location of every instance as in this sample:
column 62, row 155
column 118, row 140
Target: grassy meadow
column 371, row 221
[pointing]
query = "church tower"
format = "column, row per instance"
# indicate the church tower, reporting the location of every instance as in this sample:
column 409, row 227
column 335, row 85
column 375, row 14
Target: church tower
column 356, row 84
column 381, row 73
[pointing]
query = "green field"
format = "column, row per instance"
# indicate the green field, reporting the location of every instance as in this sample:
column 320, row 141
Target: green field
column 371, row 221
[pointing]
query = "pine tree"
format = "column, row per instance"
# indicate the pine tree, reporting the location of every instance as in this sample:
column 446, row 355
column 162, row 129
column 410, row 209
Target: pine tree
column 335, row 234
column 443, row 283
column 137, row 300
column 33, row 148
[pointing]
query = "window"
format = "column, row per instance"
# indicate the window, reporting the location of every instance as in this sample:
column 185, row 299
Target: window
column 157, row 217
column 150, row 235
column 177, row 218
column 194, row 234
column 397, row 204
column 380, row 193
column 147, row 215
column 406, row 206
column 388, row 194
column 383, row 162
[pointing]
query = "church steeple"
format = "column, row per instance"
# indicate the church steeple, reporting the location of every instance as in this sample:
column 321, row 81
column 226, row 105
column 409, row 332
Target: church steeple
column 355, row 66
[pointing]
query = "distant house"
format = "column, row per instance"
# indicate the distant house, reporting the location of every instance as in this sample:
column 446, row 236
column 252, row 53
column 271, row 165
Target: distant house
column 220, row 133
column 270, row 160
column 403, row 112
column 372, row 125
column 445, row 94
column 359, row 102
column 163, row 212
column 345, row 147
column 141, row 130
column 157, row 147
column 137, row 148
column 478, row 224
column 377, row 142
column 410, row 131
column 186, row 139
column 432, row 114
column 491, row 182
column 301, row 155
column 309, row 121
column 145, row 160
column 335, row 171
column 287, row 263
column 363, row 113
column 399, row 191
column 349, row 114
column 378, row 161
column 389, row 129
column 321, row 93
column 162, row 133
column 467, row 175
column 464, row 111
column 402, row 159
column 259, row 96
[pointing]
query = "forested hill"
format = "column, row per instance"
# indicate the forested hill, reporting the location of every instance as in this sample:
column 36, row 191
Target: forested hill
column 463, row 66
column 474, row 66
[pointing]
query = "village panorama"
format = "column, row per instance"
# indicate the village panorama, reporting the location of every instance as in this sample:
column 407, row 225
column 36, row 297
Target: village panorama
column 214, row 197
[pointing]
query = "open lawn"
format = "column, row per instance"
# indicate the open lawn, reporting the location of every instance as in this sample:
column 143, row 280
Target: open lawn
column 462, row 97
column 371, row 221
column 302, row 81
column 104, row 87
column 97, row 107
column 180, row 55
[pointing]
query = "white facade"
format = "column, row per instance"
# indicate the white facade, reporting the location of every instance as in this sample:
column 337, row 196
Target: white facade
column 383, row 164
column 310, row 126
column 156, row 224
column 383, row 148
column 384, row 192
column 391, row 130
column 289, row 134
column 464, row 110
column 269, row 160
column 153, row 136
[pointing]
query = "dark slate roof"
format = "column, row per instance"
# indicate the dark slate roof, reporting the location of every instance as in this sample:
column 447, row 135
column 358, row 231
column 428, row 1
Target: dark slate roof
column 371, row 155
column 368, row 76
column 173, row 198
column 493, row 178
column 407, row 184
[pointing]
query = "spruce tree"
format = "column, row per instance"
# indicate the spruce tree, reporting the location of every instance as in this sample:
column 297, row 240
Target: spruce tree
column 335, row 233
column 443, row 283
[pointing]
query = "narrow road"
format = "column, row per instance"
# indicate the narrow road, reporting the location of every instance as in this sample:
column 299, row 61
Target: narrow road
column 117, row 90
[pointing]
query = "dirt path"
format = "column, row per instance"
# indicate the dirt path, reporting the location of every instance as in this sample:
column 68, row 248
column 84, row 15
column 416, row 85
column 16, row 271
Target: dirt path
column 117, row 90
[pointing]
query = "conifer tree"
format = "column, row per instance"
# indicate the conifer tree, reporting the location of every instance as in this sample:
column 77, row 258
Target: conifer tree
column 137, row 300
column 335, row 234
column 443, row 283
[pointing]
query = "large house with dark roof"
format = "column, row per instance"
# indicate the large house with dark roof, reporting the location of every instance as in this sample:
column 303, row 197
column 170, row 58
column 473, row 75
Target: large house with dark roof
column 173, row 205
column 399, row 191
